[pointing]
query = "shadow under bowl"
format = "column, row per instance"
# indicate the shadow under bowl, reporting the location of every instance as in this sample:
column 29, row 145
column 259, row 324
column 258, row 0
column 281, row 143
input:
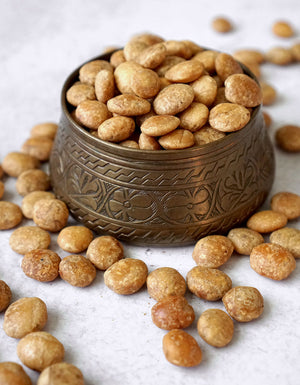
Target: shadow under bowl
column 161, row 198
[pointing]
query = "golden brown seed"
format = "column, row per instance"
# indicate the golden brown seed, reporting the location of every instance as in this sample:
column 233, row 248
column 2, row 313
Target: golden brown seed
column 73, row 116
column 79, row 92
column 117, row 58
column 215, row 327
column 226, row 65
column 165, row 281
column 241, row 89
column 153, row 56
column 47, row 129
column 147, row 38
column 172, row 312
column 75, row 239
column 40, row 147
column 177, row 140
column 91, row 113
column 164, row 83
column 147, row 142
column 116, row 129
column 41, row 265
column 124, row 74
column 286, row 203
column 109, row 48
column 244, row 303
column 160, row 125
column 32, row 180
column 269, row 94
column 206, row 135
column 207, row 58
column 28, row 238
column 249, row 56
column 104, row 86
column 145, row 83
column 267, row 119
column 266, row 221
column 61, row 373
column 288, row 238
column 133, row 49
column 2, row 189
column 94, row 133
column 12, row 373
column 194, row 117
column 181, row 349
column 128, row 105
column 272, row 260
column 169, row 62
column 220, row 97
column 218, row 81
column 129, row 144
column 26, row 315
column 126, row 276
column 88, row 72
column 77, row 270
column 205, row 90
column 104, row 251
column 173, row 99
column 5, row 295
column 185, row 72
column 212, row 251
column 177, row 48
column 279, row 55
column 188, row 49
column 253, row 67
column 10, row 215
column 244, row 240
column 295, row 50
column 282, row 29
column 15, row 163
column 209, row 284
column 38, row 350
column 221, row 24
column 30, row 199
column 141, row 118
column 50, row 214
column 288, row 138
column 229, row 117
column 193, row 47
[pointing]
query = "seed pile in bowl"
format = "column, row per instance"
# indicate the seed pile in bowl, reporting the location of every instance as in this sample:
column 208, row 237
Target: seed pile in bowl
column 157, row 94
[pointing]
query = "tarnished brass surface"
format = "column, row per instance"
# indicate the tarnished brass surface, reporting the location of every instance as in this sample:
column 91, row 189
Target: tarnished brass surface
column 169, row 198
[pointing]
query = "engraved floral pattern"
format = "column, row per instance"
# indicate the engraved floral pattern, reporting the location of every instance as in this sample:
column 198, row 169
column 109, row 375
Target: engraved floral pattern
column 188, row 205
column 129, row 205
column 238, row 187
column 84, row 188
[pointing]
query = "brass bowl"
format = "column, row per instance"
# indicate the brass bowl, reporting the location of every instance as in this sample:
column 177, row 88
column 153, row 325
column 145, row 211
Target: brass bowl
column 169, row 197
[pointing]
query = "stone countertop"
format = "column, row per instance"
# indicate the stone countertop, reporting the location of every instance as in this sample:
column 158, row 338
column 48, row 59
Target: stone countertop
column 111, row 338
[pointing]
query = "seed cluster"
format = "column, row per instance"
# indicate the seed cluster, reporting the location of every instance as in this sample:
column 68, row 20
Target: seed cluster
column 163, row 95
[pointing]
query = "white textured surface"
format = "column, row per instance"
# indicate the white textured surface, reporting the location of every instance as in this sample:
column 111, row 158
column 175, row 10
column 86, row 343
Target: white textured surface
column 110, row 337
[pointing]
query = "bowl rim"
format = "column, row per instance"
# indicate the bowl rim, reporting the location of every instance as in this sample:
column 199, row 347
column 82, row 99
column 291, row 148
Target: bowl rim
column 190, row 152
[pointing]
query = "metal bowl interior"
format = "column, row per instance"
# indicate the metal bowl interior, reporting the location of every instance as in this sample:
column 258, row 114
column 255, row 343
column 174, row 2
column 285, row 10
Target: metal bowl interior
column 170, row 197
